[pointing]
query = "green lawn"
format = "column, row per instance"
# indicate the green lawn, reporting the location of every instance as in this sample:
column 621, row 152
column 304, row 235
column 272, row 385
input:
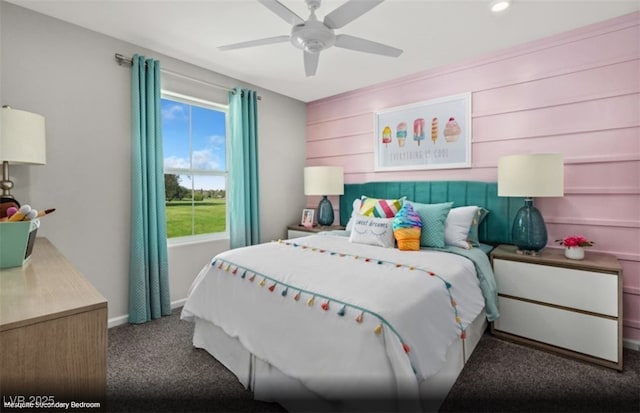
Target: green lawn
column 210, row 216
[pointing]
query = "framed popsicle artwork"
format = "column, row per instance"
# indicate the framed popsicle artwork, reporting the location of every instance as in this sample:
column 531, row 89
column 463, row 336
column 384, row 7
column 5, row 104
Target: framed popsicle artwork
column 433, row 134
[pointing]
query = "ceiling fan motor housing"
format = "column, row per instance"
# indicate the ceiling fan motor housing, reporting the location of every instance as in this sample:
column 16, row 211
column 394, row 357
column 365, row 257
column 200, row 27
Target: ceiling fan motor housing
column 312, row 36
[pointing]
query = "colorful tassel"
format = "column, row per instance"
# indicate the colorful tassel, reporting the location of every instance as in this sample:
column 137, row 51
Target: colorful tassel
column 284, row 292
column 244, row 274
column 263, row 282
column 448, row 285
column 310, row 301
column 227, row 267
column 431, row 273
column 458, row 319
column 252, row 278
column 453, row 303
column 342, row 311
column 412, row 267
column 273, row 287
column 297, row 297
column 360, row 317
column 379, row 262
column 220, row 265
column 235, row 271
column 463, row 335
column 325, row 306
column 406, row 347
column 378, row 329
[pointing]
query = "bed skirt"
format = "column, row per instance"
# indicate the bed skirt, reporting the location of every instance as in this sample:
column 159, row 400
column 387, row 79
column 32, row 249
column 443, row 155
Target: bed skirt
column 269, row 384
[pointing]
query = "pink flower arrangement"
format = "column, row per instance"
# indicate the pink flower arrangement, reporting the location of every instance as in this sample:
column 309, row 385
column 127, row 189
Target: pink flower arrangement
column 575, row 241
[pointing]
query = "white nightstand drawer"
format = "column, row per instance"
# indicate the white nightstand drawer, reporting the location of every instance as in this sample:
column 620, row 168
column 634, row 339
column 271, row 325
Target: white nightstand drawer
column 591, row 291
column 292, row 233
column 587, row 334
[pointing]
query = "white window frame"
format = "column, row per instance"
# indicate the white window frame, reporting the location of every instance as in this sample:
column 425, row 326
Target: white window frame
column 189, row 100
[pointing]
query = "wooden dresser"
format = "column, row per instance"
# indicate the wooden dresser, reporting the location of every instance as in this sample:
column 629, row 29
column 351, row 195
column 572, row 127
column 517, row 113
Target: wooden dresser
column 53, row 332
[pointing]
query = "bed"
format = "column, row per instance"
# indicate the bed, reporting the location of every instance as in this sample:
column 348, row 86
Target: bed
column 323, row 323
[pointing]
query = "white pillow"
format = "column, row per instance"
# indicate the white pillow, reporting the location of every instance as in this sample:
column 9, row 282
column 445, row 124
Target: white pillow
column 456, row 228
column 354, row 213
column 372, row 231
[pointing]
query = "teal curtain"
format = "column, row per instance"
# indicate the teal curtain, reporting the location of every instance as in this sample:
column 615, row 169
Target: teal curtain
column 244, row 204
column 148, row 268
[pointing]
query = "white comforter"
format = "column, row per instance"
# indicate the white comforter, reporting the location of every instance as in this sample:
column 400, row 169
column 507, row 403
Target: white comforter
column 409, row 294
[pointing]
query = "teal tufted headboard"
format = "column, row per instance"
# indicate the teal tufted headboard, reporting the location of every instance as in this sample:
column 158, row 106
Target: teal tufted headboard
column 496, row 227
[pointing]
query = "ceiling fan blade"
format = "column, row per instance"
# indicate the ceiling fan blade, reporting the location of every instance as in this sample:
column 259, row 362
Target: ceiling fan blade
column 311, row 63
column 348, row 12
column 282, row 11
column 363, row 45
column 259, row 42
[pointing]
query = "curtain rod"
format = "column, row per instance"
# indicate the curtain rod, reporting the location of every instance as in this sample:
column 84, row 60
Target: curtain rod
column 127, row 61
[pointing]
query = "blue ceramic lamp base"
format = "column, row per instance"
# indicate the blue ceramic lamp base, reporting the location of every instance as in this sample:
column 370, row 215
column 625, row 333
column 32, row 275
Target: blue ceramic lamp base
column 325, row 212
column 529, row 233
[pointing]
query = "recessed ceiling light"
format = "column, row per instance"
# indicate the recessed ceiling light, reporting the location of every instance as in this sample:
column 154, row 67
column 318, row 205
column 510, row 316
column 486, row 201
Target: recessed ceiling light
column 499, row 5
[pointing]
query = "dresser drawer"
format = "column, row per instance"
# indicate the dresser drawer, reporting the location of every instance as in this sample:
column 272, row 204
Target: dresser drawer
column 583, row 333
column 591, row 291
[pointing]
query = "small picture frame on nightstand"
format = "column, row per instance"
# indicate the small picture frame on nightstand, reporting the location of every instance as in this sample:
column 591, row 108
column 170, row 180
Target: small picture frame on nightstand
column 307, row 218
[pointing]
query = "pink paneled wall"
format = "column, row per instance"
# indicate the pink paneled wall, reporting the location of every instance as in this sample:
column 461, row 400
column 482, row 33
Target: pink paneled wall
column 577, row 93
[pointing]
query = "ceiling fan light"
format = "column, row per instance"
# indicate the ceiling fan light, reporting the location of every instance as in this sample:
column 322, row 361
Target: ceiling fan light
column 498, row 6
column 313, row 46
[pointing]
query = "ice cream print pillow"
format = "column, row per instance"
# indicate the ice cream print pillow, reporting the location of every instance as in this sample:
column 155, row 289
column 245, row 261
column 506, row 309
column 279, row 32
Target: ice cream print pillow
column 407, row 228
column 372, row 231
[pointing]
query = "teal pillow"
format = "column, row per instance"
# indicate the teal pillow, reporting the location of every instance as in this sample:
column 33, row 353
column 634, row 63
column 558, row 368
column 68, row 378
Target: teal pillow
column 474, row 239
column 433, row 218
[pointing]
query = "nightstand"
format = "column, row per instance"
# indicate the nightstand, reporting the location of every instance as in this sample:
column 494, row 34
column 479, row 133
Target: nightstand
column 297, row 230
column 571, row 307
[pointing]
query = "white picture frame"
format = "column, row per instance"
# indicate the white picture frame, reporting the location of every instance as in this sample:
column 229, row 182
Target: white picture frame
column 433, row 134
column 307, row 217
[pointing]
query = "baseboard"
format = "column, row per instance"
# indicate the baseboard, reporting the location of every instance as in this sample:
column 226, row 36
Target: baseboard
column 178, row 303
column 118, row 321
column 124, row 319
column 631, row 344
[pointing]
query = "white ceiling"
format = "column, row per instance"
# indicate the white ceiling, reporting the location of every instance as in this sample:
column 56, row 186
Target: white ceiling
column 432, row 33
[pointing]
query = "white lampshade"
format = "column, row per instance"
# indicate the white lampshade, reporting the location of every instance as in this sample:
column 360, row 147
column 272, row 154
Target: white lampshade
column 531, row 175
column 22, row 137
column 323, row 180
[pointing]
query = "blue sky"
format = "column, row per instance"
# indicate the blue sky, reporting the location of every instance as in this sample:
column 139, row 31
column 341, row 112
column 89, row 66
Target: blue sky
column 207, row 141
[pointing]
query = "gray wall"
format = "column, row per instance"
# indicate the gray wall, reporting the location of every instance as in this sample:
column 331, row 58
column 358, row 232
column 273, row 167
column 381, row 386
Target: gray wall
column 68, row 74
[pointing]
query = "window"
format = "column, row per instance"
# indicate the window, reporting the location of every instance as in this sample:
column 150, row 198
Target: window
column 194, row 134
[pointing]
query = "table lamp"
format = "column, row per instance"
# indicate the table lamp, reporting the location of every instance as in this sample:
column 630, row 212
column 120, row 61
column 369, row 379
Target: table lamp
column 529, row 176
column 22, row 141
column 323, row 181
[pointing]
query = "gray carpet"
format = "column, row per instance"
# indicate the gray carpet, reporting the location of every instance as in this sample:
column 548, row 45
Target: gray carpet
column 154, row 368
column 507, row 377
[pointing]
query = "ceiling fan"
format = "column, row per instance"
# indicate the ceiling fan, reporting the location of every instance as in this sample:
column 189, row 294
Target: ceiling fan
column 313, row 36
